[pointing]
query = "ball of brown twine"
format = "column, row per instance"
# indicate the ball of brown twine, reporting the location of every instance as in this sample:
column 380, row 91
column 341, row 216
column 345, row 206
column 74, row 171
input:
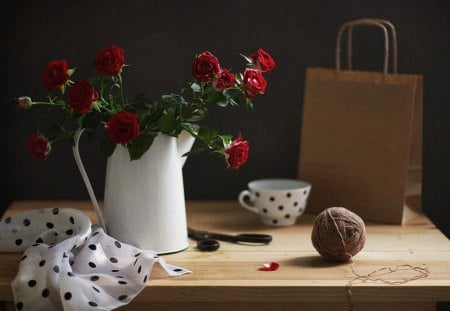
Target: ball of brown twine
column 338, row 234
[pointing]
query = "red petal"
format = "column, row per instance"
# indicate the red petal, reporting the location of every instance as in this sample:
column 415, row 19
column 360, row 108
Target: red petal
column 272, row 266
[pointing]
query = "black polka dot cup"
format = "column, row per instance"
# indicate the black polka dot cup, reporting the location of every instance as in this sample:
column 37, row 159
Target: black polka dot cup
column 278, row 202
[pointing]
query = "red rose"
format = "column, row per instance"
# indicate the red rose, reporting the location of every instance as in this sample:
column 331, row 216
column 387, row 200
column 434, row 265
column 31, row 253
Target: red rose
column 55, row 74
column 236, row 153
column 122, row 127
column 262, row 60
column 109, row 61
column 39, row 147
column 23, row 102
column 205, row 67
column 81, row 96
column 254, row 83
column 223, row 81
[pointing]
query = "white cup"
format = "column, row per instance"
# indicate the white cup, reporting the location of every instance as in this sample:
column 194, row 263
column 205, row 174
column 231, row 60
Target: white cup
column 278, row 202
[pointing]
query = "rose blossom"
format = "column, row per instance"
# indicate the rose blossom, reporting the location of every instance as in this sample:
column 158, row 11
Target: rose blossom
column 262, row 60
column 236, row 153
column 254, row 83
column 81, row 96
column 205, row 67
column 223, row 80
column 122, row 127
column 55, row 74
column 23, row 102
column 39, row 147
column 109, row 61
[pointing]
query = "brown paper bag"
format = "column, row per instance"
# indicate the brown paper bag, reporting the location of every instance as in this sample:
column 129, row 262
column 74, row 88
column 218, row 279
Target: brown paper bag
column 361, row 138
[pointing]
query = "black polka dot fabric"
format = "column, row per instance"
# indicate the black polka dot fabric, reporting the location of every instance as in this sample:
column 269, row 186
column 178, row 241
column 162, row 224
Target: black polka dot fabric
column 68, row 264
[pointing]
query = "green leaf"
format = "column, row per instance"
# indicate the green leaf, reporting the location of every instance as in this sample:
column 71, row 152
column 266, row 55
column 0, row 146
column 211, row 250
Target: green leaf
column 139, row 101
column 138, row 147
column 148, row 120
column 195, row 115
column 95, row 80
column 226, row 139
column 248, row 59
column 233, row 92
column 196, row 88
column 167, row 123
column 190, row 127
column 207, row 134
column 215, row 97
column 91, row 120
column 107, row 148
column 115, row 85
column 71, row 71
column 171, row 100
column 222, row 103
column 195, row 118
column 248, row 103
column 233, row 102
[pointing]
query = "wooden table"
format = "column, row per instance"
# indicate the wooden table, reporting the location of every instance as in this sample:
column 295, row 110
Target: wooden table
column 229, row 279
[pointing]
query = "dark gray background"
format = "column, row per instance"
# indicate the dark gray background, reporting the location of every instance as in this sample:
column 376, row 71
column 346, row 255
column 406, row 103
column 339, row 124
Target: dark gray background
column 160, row 39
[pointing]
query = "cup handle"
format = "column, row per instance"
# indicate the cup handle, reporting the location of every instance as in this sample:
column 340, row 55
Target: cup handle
column 244, row 194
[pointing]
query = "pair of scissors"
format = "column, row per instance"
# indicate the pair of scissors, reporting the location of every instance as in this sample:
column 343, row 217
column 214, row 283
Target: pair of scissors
column 207, row 241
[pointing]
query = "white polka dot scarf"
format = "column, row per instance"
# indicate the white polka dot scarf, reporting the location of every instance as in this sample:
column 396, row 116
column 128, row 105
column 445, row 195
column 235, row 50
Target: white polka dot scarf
column 70, row 265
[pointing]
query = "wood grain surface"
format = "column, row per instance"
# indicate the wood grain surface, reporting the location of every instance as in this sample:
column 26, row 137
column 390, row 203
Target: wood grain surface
column 231, row 275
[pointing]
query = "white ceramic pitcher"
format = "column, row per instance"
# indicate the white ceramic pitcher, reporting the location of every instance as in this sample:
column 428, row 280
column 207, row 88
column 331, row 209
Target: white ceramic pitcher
column 144, row 199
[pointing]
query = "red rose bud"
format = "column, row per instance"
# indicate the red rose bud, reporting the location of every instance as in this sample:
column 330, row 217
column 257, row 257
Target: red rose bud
column 205, row 67
column 109, row 61
column 55, row 75
column 39, row 147
column 262, row 61
column 254, row 83
column 223, row 80
column 236, row 153
column 23, row 102
column 81, row 96
column 123, row 127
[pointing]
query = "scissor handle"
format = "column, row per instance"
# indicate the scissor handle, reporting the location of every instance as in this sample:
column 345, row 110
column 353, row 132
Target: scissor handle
column 254, row 238
column 245, row 237
column 208, row 245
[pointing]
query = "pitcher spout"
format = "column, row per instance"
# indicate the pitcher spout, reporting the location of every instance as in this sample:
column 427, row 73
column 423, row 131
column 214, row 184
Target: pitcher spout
column 184, row 144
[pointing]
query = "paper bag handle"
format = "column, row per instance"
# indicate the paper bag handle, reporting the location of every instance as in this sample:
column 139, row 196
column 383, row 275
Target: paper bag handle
column 368, row 22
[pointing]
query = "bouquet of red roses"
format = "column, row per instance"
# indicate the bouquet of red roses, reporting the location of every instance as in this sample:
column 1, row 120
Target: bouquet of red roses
column 100, row 103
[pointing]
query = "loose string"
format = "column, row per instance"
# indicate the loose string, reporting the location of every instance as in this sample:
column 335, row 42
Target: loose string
column 377, row 276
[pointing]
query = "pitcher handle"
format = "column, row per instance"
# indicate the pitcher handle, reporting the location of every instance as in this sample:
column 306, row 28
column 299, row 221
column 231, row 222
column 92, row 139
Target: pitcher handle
column 87, row 183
